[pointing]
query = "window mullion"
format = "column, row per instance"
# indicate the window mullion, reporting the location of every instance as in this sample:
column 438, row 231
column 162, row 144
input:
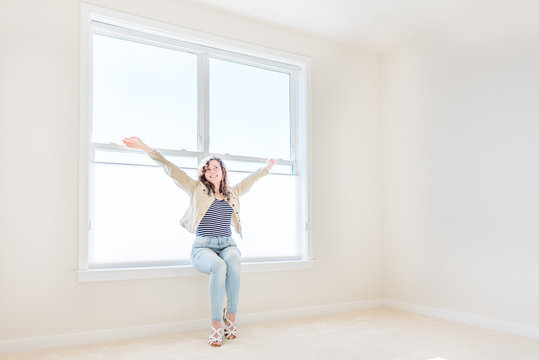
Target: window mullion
column 203, row 106
column 293, row 119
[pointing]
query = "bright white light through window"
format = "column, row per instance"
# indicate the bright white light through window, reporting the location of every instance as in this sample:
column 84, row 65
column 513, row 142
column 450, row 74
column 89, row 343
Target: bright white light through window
column 144, row 90
column 249, row 110
column 148, row 87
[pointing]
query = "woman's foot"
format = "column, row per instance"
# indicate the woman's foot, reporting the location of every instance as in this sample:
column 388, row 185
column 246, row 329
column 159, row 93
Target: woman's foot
column 215, row 338
column 231, row 332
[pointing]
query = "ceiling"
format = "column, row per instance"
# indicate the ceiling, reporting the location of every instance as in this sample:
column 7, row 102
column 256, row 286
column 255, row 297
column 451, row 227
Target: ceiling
column 376, row 25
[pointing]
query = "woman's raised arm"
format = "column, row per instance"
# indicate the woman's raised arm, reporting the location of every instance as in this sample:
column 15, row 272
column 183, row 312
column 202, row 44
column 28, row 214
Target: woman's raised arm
column 179, row 176
column 245, row 185
column 137, row 143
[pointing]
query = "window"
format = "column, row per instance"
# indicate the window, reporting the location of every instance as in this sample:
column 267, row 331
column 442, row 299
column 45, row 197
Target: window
column 187, row 95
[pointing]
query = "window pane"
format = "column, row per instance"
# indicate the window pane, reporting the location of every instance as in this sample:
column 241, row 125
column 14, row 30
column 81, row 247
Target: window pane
column 135, row 216
column 269, row 218
column 249, row 110
column 136, row 212
column 143, row 90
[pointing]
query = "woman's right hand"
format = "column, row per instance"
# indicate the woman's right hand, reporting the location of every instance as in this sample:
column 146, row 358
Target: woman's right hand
column 137, row 143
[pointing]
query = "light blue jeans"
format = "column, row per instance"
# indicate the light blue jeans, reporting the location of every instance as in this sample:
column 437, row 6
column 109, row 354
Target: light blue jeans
column 221, row 259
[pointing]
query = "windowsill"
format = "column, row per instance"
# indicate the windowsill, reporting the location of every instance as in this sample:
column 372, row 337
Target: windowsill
column 186, row 270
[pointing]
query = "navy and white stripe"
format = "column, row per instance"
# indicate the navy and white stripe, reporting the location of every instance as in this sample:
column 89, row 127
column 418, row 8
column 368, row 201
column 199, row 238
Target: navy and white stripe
column 216, row 221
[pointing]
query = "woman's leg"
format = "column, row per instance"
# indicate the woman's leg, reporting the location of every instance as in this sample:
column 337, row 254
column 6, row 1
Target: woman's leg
column 231, row 256
column 208, row 262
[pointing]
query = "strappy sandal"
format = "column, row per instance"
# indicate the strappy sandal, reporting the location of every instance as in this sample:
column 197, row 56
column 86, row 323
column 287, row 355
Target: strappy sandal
column 230, row 330
column 215, row 338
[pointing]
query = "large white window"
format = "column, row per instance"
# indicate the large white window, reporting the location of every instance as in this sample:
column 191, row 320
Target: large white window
column 187, row 95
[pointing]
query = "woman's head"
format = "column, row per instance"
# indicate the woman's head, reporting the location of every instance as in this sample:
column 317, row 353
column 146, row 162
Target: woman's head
column 212, row 173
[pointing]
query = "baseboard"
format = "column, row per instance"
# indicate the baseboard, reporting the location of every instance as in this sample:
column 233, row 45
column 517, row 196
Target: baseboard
column 468, row 319
column 309, row 311
column 99, row 336
column 93, row 337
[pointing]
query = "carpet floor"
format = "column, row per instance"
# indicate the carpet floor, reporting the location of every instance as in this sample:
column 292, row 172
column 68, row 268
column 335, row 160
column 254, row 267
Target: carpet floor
column 381, row 333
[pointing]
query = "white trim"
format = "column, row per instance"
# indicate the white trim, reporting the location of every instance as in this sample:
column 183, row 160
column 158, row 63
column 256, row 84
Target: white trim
column 92, row 337
column 133, row 32
column 99, row 336
column 110, row 274
column 84, row 131
column 109, row 21
column 468, row 319
column 308, row 311
column 304, row 160
column 187, row 153
column 136, row 23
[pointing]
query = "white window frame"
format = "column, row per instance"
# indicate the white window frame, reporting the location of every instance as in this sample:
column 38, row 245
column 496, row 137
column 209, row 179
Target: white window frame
column 175, row 37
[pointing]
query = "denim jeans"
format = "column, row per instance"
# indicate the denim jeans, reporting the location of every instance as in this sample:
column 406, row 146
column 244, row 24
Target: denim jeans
column 221, row 259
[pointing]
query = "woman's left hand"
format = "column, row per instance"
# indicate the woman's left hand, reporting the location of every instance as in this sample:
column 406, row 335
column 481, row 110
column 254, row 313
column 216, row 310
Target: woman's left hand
column 270, row 163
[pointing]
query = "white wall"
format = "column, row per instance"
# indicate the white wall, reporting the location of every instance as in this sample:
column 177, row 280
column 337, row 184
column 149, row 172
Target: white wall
column 39, row 113
column 461, row 165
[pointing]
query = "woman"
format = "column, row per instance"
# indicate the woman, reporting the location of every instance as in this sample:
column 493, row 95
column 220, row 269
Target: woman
column 213, row 207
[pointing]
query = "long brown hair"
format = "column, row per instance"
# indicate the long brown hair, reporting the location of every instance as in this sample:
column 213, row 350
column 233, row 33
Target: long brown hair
column 202, row 177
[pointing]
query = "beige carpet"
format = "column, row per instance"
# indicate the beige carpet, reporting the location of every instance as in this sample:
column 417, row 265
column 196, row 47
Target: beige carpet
column 370, row 334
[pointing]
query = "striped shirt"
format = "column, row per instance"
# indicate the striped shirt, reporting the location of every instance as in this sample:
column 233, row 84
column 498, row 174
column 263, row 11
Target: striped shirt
column 216, row 221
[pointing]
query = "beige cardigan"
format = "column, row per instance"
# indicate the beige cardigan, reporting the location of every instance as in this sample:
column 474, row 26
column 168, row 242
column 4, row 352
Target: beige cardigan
column 200, row 201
